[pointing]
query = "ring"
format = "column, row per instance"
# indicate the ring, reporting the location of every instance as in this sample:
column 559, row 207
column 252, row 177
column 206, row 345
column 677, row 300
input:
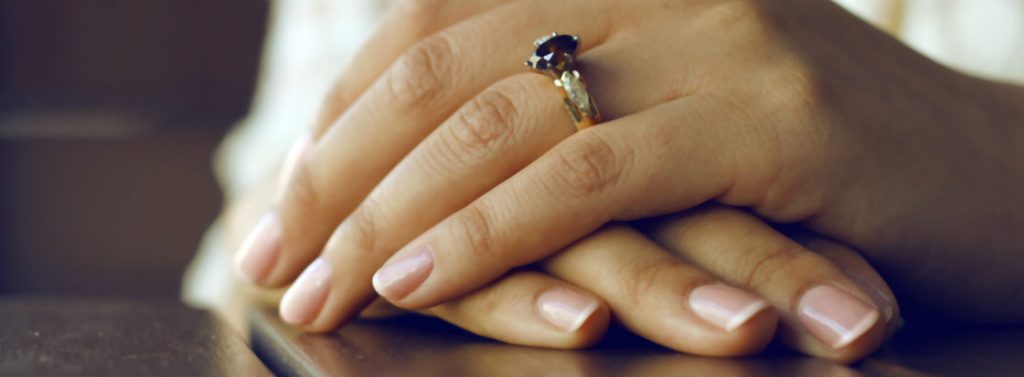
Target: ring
column 555, row 56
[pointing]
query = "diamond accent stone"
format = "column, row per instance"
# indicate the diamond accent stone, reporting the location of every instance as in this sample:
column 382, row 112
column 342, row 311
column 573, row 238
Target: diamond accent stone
column 575, row 90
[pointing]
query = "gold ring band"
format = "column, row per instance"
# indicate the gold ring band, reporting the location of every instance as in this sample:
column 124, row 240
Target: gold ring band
column 555, row 56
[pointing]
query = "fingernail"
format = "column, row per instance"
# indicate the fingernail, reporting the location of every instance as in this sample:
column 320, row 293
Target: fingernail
column 404, row 274
column 302, row 302
column 835, row 316
column 258, row 253
column 885, row 306
column 725, row 306
column 566, row 309
column 295, row 154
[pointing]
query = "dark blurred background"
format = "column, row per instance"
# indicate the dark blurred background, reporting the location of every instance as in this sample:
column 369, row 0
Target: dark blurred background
column 109, row 113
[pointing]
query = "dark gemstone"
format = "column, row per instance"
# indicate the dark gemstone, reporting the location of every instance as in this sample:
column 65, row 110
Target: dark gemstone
column 555, row 53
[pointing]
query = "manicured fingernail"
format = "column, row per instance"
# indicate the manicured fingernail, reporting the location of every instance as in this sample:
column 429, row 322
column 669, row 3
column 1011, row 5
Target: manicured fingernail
column 258, row 253
column 885, row 306
column 566, row 309
column 835, row 316
column 404, row 274
column 295, row 154
column 302, row 302
column 725, row 306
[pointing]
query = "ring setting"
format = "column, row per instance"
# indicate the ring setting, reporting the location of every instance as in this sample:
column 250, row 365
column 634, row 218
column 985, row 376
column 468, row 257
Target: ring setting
column 555, row 56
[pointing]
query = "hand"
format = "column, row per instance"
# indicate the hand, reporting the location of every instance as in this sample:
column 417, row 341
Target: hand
column 674, row 292
column 776, row 153
column 657, row 294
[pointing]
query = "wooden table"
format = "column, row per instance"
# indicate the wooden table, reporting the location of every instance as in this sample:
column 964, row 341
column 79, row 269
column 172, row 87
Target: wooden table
column 100, row 337
column 419, row 346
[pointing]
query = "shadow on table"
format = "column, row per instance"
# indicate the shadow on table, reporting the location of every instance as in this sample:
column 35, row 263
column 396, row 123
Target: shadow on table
column 417, row 346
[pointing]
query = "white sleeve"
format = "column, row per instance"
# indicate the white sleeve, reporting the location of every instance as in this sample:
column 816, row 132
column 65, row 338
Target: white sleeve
column 980, row 37
column 308, row 43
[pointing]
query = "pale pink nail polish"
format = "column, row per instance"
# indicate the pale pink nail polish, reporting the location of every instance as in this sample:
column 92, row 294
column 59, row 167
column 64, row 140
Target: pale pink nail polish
column 565, row 309
column 724, row 306
column 258, row 253
column 885, row 306
column 835, row 316
column 303, row 301
column 404, row 273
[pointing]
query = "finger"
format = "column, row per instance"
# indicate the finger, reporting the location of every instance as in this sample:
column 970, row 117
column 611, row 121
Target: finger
column 658, row 296
column 859, row 271
column 612, row 171
column 824, row 312
column 487, row 140
column 416, row 94
column 530, row 308
column 406, row 23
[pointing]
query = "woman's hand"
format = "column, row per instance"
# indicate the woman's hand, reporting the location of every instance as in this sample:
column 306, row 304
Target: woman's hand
column 474, row 167
column 677, row 291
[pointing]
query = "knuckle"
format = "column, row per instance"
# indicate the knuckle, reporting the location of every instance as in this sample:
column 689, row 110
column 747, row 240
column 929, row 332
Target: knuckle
column 478, row 230
column 302, row 194
column 418, row 78
column 489, row 119
column 640, row 279
column 800, row 91
column 769, row 267
column 491, row 300
column 474, row 311
column 587, row 166
column 505, row 293
column 362, row 229
column 795, row 150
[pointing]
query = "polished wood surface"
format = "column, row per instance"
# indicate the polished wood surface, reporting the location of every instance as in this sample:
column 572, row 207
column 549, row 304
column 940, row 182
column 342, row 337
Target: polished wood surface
column 101, row 337
column 419, row 346
column 79, row 337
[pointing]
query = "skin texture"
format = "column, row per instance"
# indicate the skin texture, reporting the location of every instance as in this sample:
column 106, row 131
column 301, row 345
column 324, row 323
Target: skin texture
column 645, row 282
column 794, row 109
